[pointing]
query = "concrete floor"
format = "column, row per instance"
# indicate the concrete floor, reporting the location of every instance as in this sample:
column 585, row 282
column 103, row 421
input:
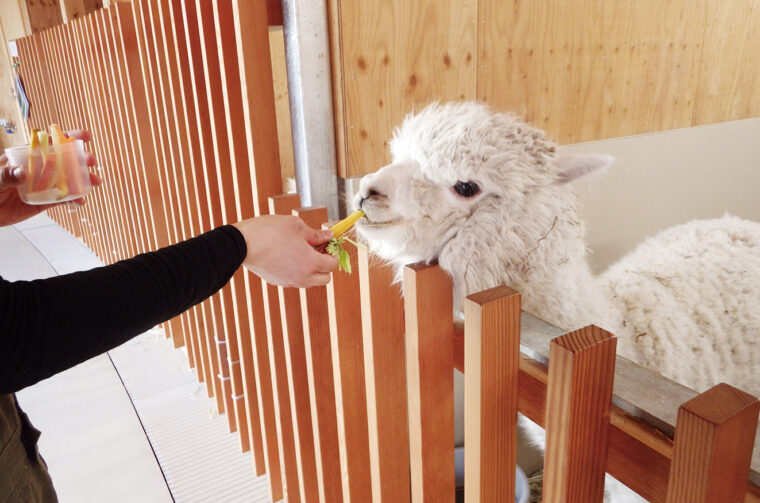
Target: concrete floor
column 131, row 425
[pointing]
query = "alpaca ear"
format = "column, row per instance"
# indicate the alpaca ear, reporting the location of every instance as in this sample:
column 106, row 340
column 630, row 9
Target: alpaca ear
column 572, row 167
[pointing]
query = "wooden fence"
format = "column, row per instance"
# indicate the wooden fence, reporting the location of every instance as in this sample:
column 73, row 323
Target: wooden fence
column 344, row 392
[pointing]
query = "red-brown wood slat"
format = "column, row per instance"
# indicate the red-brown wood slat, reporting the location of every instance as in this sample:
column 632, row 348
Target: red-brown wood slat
column 383, row 332
column 106, row 209
column 107, row 138
column 194, row 173
column 75, row 119
column 297, row 456
column 187, row 198
column 324, row 419
column 234, row 293
column 430, row 381
column 492, row 338
column 715, row 433
column 95, row 216
column 207, row 181
column 134, row 188
column 146, row 44
column 344, row 308
column 51, row 47
column 578, row 401
column 296, row 373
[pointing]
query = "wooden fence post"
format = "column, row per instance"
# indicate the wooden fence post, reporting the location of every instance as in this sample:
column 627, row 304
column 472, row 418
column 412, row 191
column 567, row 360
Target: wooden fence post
column 492, row 362
column 296, row 379
column 344, row 305
column 428, row 303
column 715, row 433
column 384, row 369
column 578, row 401
column 321, row 384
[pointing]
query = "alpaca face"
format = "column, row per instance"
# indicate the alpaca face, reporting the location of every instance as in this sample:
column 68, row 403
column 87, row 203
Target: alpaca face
column 483, row 193
column 451, row 162
column 408, row 214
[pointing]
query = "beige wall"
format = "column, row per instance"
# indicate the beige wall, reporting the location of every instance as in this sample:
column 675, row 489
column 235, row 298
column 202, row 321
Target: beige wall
column 667, row 178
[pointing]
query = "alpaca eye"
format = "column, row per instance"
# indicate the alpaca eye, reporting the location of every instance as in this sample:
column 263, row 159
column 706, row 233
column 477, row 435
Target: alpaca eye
column 466, row 189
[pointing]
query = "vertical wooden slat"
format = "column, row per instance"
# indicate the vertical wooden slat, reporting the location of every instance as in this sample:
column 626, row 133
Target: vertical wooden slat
column 109, row 222
column 297, row 457
column 715, row 432
column 581, row 371
column 385, row 369
column 124, row 141
column 75, row 119
column 234, row 294
column 95, row 215
column 113, row 165
column 194, row 172
column 428, row 303
column 207, row 183
column 344, row 307
column 321, row 384
column 184, row 155
column 492, row 352
column 296, row 374
column 140, row 127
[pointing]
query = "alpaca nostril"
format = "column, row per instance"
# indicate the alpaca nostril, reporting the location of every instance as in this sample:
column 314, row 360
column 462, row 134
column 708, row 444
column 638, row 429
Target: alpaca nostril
column 372, row 192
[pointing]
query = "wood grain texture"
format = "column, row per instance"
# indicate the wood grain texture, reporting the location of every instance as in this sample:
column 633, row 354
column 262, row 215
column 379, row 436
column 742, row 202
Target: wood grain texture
column 578, row 400
column 345, row 316
column 276, row 327
column 209, row 198
column 383, row 329
column 282, row 104
column 297, row 374
column 715, row 432
column 43, row 14
column 428, row 304
column 492, row 339
column 579, row 70
column 393, row 56
column 316, row 328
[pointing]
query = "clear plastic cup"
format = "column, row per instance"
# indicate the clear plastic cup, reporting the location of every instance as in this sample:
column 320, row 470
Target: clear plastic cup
column 53, row 175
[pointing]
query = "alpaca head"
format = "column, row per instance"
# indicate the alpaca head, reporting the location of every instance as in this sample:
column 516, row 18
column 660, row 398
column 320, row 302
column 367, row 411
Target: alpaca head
column 465, row 179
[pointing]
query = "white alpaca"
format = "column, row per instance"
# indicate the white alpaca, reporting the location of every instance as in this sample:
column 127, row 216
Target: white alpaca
column 488, row 197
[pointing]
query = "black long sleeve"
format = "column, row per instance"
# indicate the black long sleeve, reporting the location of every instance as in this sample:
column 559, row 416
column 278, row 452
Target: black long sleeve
column 50, row 325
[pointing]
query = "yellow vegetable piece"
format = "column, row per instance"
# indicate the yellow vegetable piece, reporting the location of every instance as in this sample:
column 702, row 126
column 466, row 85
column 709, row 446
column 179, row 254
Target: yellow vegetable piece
column 34, row 142
column 59, row 177
column 57, row 134
column 345, row 225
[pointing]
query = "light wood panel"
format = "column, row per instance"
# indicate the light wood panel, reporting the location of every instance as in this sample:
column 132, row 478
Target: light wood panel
column 392, row 56
column 581, row 70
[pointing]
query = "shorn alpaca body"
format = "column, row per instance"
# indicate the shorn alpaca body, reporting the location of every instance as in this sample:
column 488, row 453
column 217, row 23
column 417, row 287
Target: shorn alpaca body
column 489, row 198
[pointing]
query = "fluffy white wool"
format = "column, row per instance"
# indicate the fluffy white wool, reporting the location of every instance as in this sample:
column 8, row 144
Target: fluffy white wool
column 689, row 300
column 684, row 303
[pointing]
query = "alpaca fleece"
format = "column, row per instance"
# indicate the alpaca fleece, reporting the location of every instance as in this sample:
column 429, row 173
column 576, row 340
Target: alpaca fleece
column 684, row 303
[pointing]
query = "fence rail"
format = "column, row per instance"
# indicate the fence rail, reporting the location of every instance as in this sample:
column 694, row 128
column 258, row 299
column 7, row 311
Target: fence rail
column 345, row 392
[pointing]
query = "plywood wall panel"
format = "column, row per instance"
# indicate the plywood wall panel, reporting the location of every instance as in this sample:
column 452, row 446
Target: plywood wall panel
column 393, row 56
column 581, row 70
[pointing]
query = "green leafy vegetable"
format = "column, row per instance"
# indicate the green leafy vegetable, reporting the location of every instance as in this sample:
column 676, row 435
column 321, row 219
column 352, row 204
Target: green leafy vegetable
column 335, row 248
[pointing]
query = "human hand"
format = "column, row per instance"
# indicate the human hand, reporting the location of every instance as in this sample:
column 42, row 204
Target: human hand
column 281, row 251
column 12, row 208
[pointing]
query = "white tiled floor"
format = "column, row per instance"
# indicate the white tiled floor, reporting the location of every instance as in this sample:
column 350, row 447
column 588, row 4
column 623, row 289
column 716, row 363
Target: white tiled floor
column 132, row 425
